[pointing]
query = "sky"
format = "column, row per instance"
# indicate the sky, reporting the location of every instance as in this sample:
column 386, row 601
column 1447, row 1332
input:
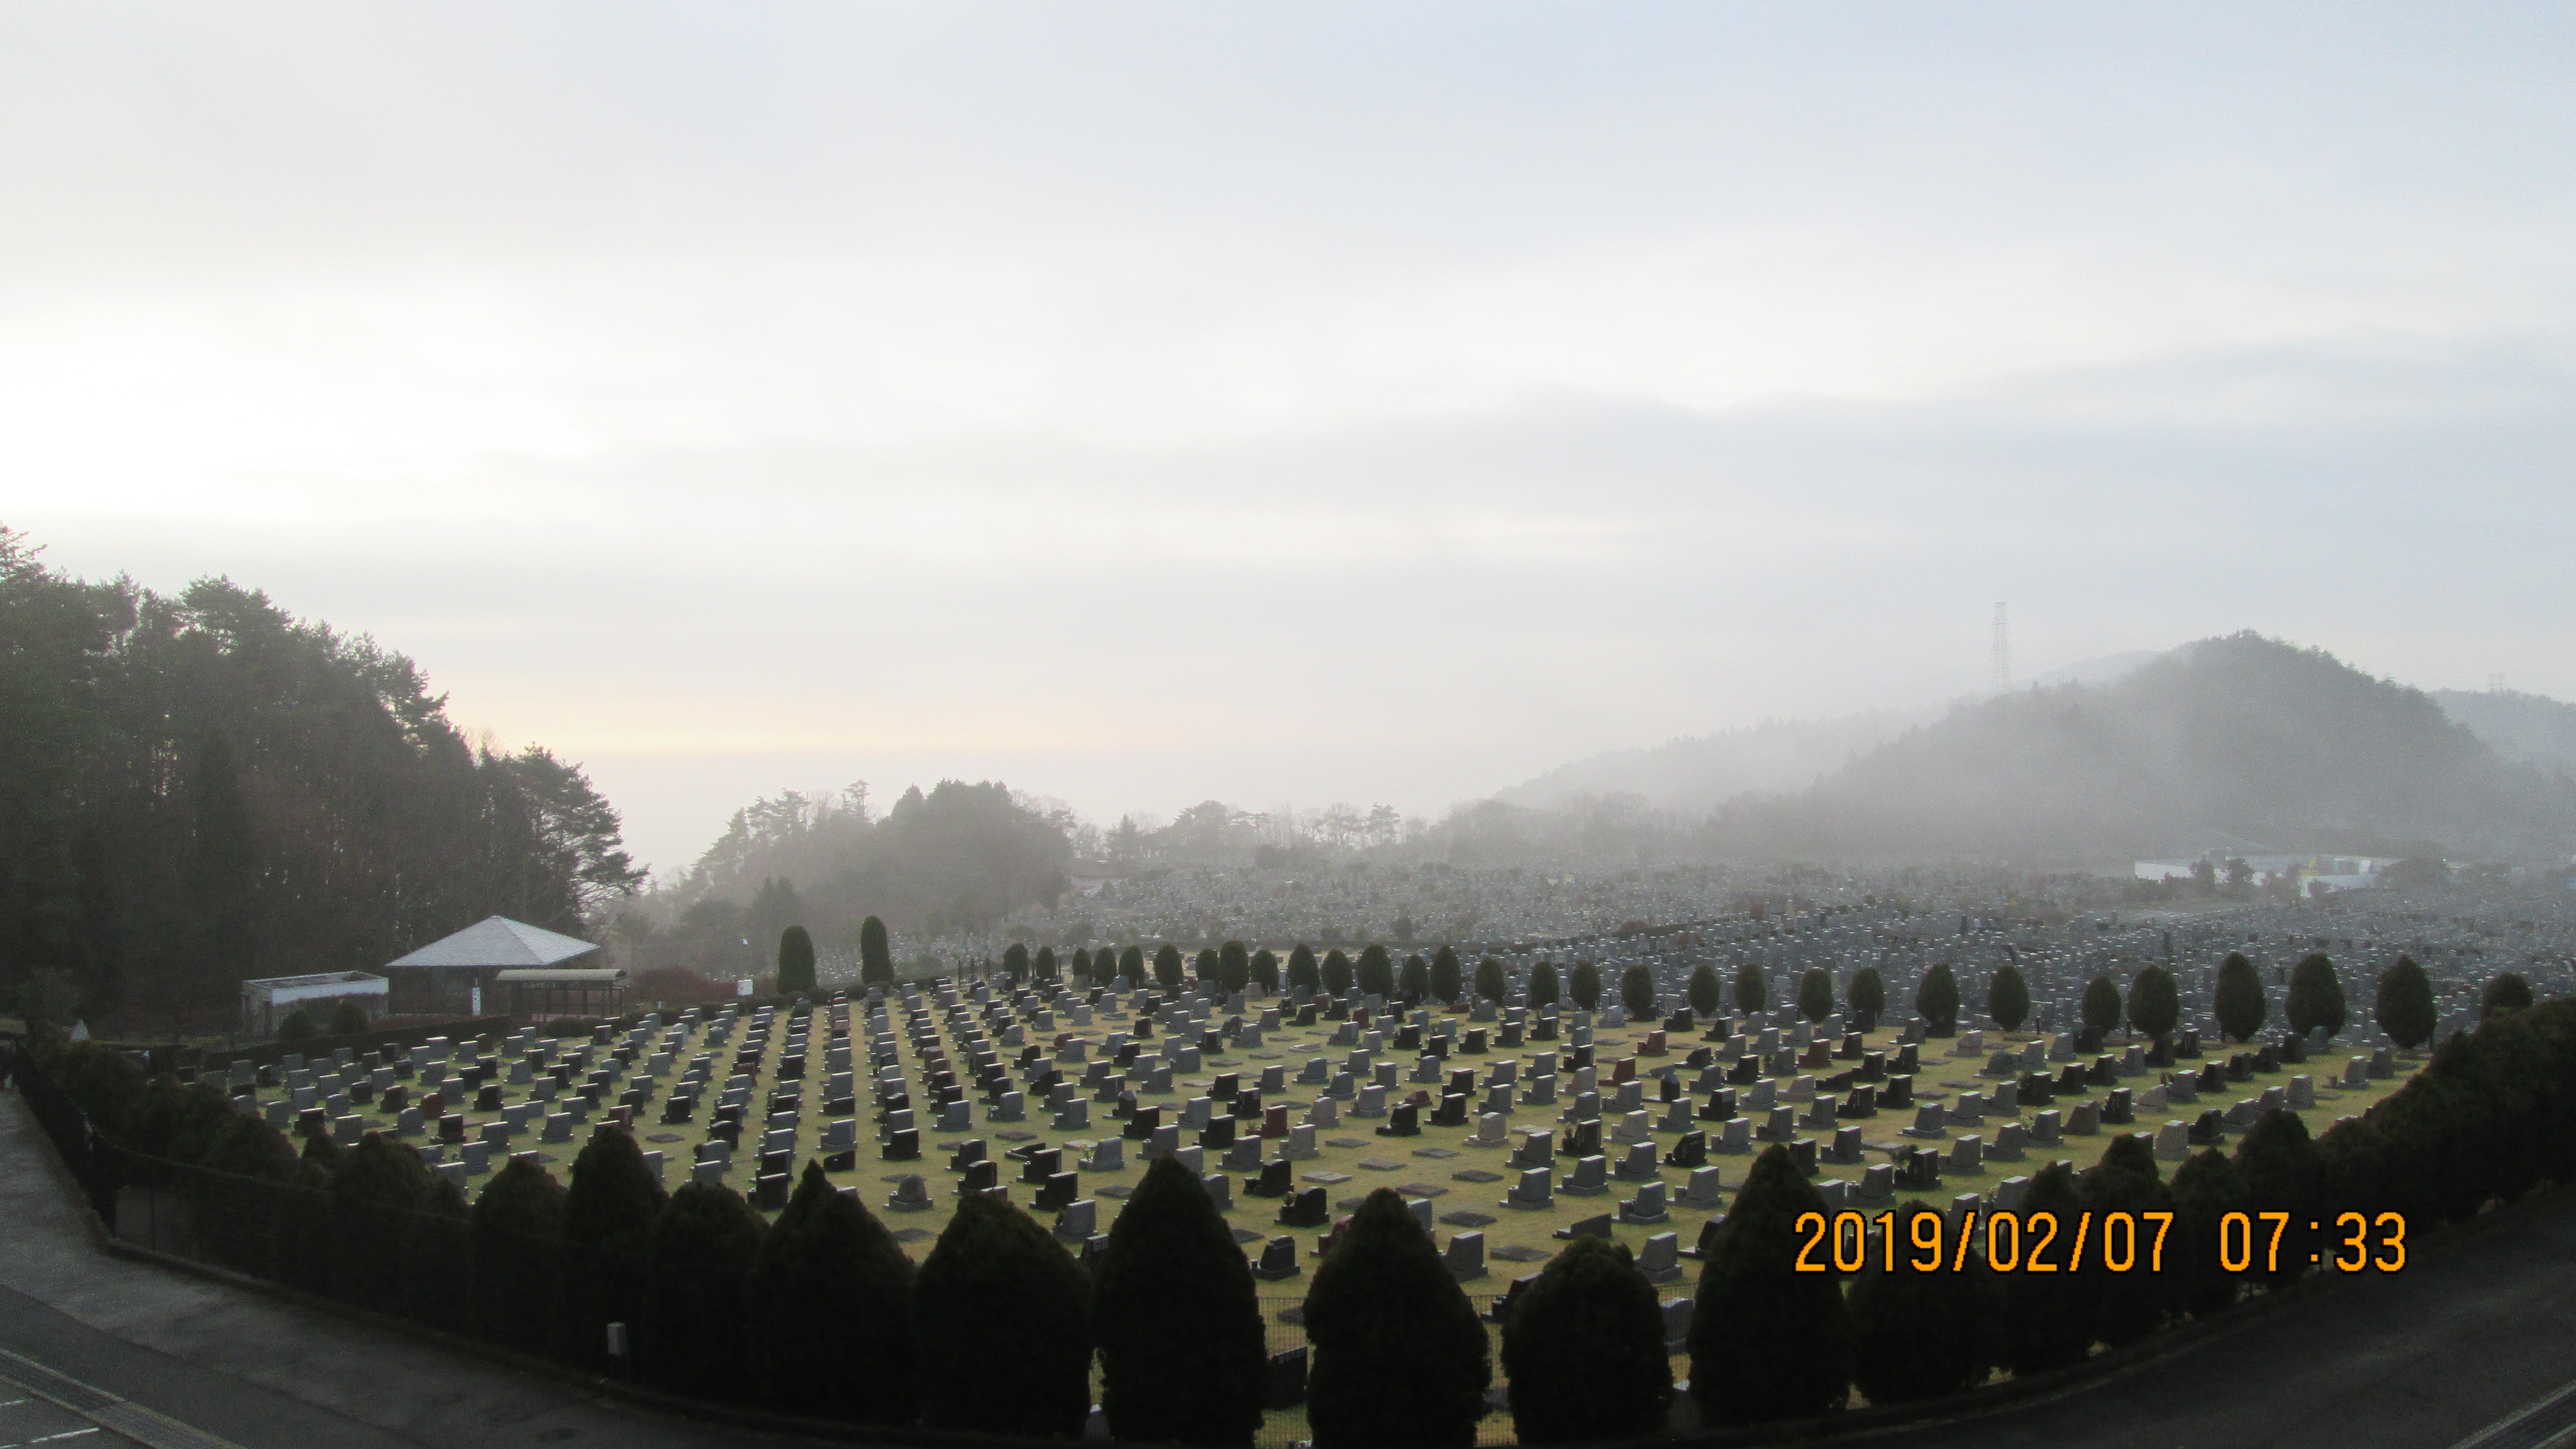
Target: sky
column 1143, row 404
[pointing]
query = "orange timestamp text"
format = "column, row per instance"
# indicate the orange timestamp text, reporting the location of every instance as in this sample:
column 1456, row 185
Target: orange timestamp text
column 2006, row 1241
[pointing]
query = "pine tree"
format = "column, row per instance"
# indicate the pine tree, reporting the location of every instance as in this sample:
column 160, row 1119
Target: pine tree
column 2047, row 1321
column 1585, row 988
column 1767, row 1341
column 2008, row 998
column 2155, row 1005
column 2238, row 1002
column 1399, row 1356
column 608, row 1221
column 517, row 1226
column 795, row 962
column 876, row 958
column 2505, row 994
column 1542, row 986
column 1583, row 1350
column 2101, row 1005
column 1936, row 1000
column 1816, row 994
column 1491, row 984
column 1867, row 997
column 830, row 1310
column 1233, row 966
column 1042, row 966
column 1079, row 968
column 1337, row 972
column 1414, row 981
column 2279, row 1165
column 1131, row 964
column 1448, row 978
column 1920, row 1335
column 1265, row 969
column 1182, row 1356
column 2124, row 1306
column 1376, row 975
column 692, row 1338
column 1305, row 978
column 2316, row 996
column 1705, row 994
column 2205, row 1189
column 1208, row 967
column 1001, row 1326
column 1637, row 991
column 1167, row 967
column 1015, row 962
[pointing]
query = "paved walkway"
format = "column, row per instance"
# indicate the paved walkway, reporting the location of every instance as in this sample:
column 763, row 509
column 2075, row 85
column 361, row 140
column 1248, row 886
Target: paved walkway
column 191, row 1356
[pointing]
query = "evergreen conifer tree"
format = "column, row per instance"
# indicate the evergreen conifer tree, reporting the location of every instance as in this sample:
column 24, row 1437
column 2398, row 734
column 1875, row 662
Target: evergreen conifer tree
column 2278, row 1163
column 1767, row 1341
column 1448, row 978
column 1867, row 997
column 1936, row 1000
column 1001, row 1326
column 1491, row 983
column 1414, row 980
column 2101, row 1005
column 1376, row 974
column 2125, row 1306
column 1265, row 969
column 1637, row 991
column 2205, row 1189
column 1233, row 966
column 298, row 1026
column 1209, row 967
column 517, row 1226
column 876, row 958
column 2316, row 996
column 1705, row 994
column 2155, row 1005
column 348, row 1019
column 692, row 1336
column 1585, row 987
column 1167, row 967
column 1399, row 1356
column 2238, row 1002
column 2505, row 994
column 1131, row 964
column 1305, row 977
column 1752, row 993
column 795, row 962
column 2008, row 997
column 1816, row 994
column 2047, row 1322
column 830, row 1310
column 1182, row 1357
column 238, row 1221
column 1917, row 1334
column 1543, row 985
column 1583, row 1350
column 1337, row 976
column 1015, row 962
column 609, row 1210
column 374, row 1193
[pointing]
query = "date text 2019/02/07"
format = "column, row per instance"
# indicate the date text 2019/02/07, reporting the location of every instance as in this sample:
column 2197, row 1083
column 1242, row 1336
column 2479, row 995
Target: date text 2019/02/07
column 2006, row 1241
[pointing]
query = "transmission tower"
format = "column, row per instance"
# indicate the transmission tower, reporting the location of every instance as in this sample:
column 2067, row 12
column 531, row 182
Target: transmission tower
column 2002, row 652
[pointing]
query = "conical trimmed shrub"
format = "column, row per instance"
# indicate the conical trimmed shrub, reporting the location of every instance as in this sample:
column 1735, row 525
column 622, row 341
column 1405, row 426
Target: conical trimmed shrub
column 2316, row 996
column 692, row 1339
column 1182, row 1358
column 2205, row 1189
column 518, row 1227
column 1767, row 1341
column 1399, row 1355
column 2278, row 1162
column 1816, row 994
column 238, row 1214
column 1584, row 986
column 1705, row 994
column 1867, row 997
column 1919, row 1335
column 1542, row 985
column 2125, row 1306
column 2238, row 1001
column 1001, row 1324
column 2008, row 998
column 375, row 1192
column 609, row 1210
column 2047, row 1321
column 1751, row 992
column 1583, row 1350
column 1936, row 999
column 831, row 1311
column 1637, row 990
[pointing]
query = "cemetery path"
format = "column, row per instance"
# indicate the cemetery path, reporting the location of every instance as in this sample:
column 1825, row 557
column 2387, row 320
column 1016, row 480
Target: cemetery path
column 257, row 1371
column 2418, row 1360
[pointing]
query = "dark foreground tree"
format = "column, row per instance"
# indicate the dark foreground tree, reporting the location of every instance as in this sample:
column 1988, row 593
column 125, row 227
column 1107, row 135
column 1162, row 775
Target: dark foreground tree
column 1752, row 993
column 608, row 1221
column 2046, row 1321
column 1583, row 1350
column 2507, row 993
column 1767, row 1341
column 2278, row 1163
column 795, row 962
column 2008, row 998
column 2238, row 1001
column 1937, row 1000
column 376, row 1192
column 1867, row 997
column 2126, row 1305
column 2206, row 1189
column 1816, row 994
column 1182, row 1359
column 517, row 1226
column 1001, row 1324
column 830, row 1311
column 1400, row 1358
column 876, row 958
column 2316, row 996
column 1637, row 991
column 1706, row 996
column 1919, row 1334
column 348, row 1019
column 693, row 1337
column 235, row 1213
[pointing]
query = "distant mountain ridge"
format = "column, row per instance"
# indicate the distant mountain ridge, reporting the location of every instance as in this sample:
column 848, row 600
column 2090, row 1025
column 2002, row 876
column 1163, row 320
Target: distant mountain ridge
column 2524, row 728
column 2242, row 737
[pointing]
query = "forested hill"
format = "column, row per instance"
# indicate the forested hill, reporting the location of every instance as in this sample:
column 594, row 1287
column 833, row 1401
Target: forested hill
column 2522, row 727
column 2243, row 741
column 199, row 789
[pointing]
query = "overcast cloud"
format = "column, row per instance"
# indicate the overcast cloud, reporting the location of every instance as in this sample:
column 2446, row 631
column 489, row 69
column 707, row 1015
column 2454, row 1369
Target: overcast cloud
column 1289, row 404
